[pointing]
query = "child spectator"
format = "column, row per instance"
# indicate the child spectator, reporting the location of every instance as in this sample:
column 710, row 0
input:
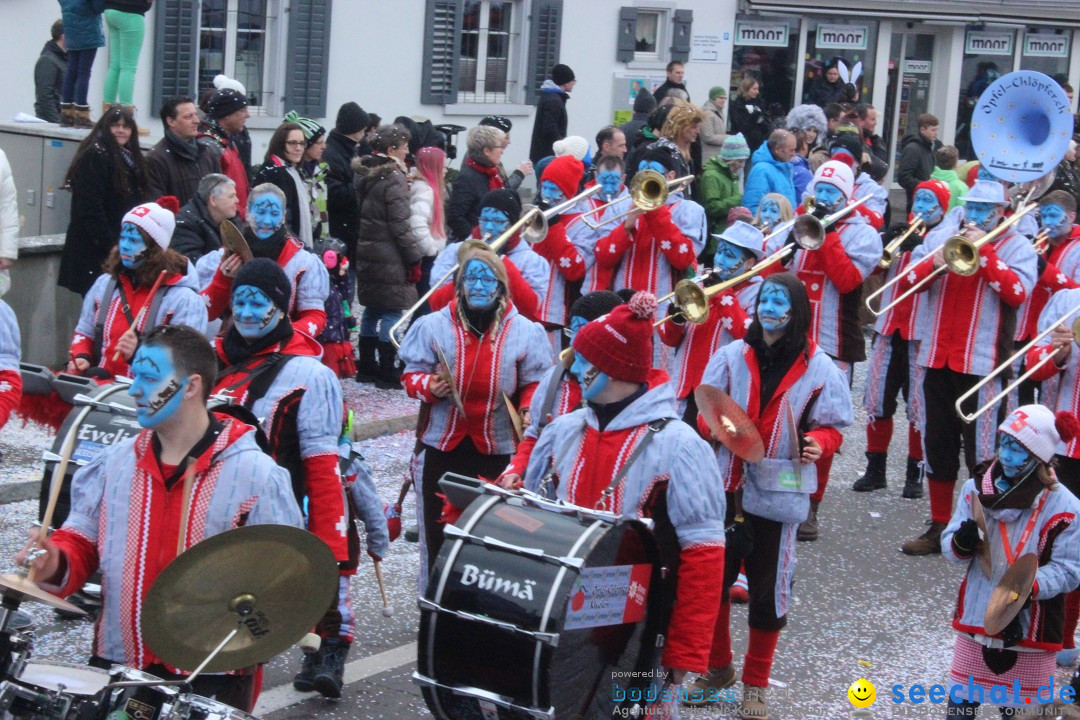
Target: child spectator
column 945, row 160
column 336, row 336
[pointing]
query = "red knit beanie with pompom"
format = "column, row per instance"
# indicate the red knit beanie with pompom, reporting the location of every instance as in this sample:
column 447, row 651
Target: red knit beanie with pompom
column 621, row 342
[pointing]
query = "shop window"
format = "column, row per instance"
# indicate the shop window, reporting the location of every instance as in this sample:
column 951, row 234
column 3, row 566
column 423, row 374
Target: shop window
column 847, row 46
column 1048, row 51
column 988, row 54
column 767, row 49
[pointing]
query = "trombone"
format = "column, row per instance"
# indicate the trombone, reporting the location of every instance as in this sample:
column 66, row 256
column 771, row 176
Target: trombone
column 648, row 191
column 1008, row 364
column 961, row 256
column 809, row 230
column 888, row 254
column 692, row 300
column 533, row 224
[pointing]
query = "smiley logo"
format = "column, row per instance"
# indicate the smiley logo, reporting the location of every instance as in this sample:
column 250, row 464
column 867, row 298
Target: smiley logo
column 862, row 693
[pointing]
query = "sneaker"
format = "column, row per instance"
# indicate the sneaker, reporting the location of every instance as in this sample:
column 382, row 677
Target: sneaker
column 715, row 679
column 330, row 678
column 929, row 543
column 753, row 704
column 873, row 478
column 304, row 681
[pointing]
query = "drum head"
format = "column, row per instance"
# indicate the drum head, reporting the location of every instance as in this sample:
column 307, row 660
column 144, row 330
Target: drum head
column 72, row 679
column 208, row 709
column 606, row 614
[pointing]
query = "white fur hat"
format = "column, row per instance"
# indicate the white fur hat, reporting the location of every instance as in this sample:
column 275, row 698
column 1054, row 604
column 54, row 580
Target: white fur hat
column 837, row 174
column 571, row 145
column 746, row 236
column 223, row 81
column 156, row 221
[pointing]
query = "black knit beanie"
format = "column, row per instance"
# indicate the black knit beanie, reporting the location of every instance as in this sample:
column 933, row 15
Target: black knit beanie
column 266, row 275
column 595, row 304
column 504, row 200
column 351, row 118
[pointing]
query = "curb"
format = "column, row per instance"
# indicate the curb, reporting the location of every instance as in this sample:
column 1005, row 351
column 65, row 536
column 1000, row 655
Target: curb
column 28, row 489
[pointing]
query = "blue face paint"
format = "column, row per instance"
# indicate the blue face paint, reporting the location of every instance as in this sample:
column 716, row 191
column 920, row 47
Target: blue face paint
column 983, row 174
column 983, row 215
column 550, row 193
column 480, row 285
column 611, row 181
column 592, row 381
column 131, row 246
column 576, row 323
column 254, row 313
column 652, row 165
column 829, row 196
column 493, row 222
column 774, row 307
column 769, row 212
column 1015, row 459
column 155, row 385
column 266, row 214
column 728, row 260
column 925, row 204
column 1054, row 220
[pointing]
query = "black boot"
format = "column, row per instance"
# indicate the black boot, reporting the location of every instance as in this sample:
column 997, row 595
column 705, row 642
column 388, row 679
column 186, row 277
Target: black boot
column 367, row 371
column 389, row 377
column 913, row 480
column 874, row 476
column 330, row 676
column 304, row 681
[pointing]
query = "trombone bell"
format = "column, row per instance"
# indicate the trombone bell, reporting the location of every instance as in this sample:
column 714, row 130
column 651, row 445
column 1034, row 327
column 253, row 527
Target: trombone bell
column 692, row 302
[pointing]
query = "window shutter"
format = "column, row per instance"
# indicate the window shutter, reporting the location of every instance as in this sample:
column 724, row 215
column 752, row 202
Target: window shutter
column 545, row 30
column 176, row 24
column 680, row 36
column 442, row 35
column 627, row 34
column 308, row 59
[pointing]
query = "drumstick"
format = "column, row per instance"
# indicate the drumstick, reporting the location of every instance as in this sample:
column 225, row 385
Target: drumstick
column 189, row 480
column 56, row 482
column 387, row 611
column 146, row 306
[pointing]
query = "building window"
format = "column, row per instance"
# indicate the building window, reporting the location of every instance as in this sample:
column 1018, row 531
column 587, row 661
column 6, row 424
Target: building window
column 649, row 41
column 489, row 51
column 233, row 40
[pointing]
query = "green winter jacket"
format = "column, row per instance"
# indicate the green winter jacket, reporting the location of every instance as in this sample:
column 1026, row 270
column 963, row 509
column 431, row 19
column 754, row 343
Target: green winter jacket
column 957, row 187
column 720, row 193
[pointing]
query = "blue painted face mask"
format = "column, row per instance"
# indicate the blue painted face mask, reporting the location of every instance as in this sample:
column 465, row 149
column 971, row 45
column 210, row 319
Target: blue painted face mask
column 1054, row 220
column 769, row 212
column 254, row 313
column 131, row 246
column 576, row 323
column 983, row 215
column 728, row 260
column 652, row 165
column 1016, row 460
column 493, row 222
column 550, row 193
column 611, row 181
column 480, row 285
column 157, row 388
column 266, row 214
column 592, row 381
column 925, row 204
column 829, row 196
column 983, row 174
column 774, row 307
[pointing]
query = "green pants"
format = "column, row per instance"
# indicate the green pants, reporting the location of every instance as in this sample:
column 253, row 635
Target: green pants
column 125, row 41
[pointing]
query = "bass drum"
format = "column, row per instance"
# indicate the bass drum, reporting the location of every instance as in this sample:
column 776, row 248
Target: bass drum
column 97, row 428
column 532, row 613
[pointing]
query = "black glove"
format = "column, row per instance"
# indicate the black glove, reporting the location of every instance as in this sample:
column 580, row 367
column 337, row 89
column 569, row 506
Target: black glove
column 1041, row 261
column 739, row 540
column 966, row 537
column 1012, row 633
column 675, row 314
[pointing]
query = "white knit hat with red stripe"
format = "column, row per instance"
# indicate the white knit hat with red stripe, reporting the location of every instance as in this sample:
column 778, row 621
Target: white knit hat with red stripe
column 153, row 219
column 1040, row 430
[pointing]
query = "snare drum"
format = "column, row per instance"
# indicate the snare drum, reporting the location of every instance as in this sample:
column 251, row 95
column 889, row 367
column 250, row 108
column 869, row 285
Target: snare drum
column 51, row 691
column 196, row 707
column 139, row 702
column 532, row 613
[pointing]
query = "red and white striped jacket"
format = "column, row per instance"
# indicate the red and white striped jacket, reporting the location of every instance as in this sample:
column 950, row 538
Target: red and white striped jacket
column 1062, row 272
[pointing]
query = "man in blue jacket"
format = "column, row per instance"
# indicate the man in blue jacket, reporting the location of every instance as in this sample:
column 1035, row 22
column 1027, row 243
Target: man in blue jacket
column 771, row 171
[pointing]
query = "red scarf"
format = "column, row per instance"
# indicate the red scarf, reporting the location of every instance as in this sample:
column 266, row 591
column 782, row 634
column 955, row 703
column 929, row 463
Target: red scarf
column 494, row 179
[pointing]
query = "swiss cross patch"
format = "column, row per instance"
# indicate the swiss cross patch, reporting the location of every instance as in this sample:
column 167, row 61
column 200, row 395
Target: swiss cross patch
column 815, row 284
column 1020, row 422
column 827, row 172
column 140, row 211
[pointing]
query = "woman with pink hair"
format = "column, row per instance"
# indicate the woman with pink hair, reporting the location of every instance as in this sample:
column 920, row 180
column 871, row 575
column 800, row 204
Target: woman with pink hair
column 428, row 217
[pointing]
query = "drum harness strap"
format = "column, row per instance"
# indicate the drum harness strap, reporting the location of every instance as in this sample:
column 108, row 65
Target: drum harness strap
column 114, row 286
column 549, row 400
column 654, row 428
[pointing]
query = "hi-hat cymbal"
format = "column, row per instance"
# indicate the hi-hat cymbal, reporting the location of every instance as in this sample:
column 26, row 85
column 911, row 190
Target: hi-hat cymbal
column 233, row 240
column 274, row 581
column 1008, row 598
column 729, row 423
column 22, row 588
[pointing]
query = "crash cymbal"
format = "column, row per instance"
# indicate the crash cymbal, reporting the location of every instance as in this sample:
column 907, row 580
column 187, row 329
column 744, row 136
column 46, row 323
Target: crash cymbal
column 22, row 588
column 982, row 548
column 1011, row 593
column 233, row 240
column 729, row 424
column 274, row 581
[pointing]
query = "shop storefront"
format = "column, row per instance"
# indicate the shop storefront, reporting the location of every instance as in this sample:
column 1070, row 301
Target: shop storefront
column 906, row 58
